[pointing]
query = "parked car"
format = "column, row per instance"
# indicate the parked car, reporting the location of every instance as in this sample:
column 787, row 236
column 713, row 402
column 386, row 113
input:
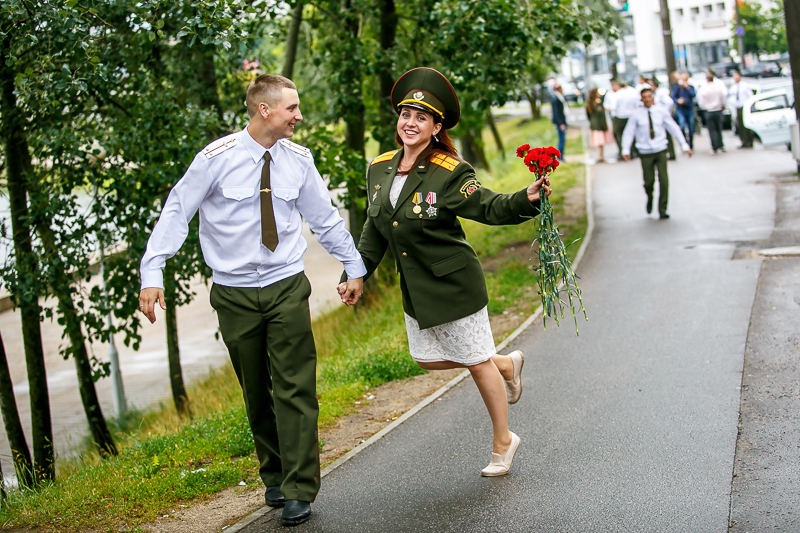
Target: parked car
column 769, row 114
column 724, row 69
column 763, row 69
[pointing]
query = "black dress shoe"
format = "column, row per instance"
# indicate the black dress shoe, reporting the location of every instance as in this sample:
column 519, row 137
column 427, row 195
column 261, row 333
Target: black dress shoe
column 273, row 496
column 649, row 204
column 295, row 512
column 663, row 215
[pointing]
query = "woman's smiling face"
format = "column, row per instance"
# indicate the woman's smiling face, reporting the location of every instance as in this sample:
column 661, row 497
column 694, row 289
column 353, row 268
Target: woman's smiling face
column 416, row 127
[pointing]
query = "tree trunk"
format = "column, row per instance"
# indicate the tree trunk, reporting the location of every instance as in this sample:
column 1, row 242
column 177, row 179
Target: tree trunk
column 207, row 81
column 354, row 115
column 72, row 323
column 16, row 436
column 792, row 13
column 473, row 151
column 18, row 168
column 292, row 39
column 496, row 134
column 533, row 99
column 386, row 114
column 179, row 395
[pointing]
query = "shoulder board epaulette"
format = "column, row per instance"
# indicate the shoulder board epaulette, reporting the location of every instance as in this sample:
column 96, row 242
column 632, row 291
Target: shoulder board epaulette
column 445, row 161
column 384, row 157
column 302, row 150
column 220, row 146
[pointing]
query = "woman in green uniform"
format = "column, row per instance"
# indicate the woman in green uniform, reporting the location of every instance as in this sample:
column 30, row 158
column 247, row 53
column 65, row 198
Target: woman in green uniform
column 416, row 195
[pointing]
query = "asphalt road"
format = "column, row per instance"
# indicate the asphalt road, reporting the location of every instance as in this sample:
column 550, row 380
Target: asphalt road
column 630, row 427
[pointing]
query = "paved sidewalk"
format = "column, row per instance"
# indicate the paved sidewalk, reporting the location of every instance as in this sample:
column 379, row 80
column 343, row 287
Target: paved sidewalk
column 630, row 427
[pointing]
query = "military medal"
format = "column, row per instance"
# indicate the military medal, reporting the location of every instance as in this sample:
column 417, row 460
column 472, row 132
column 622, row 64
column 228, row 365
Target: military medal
column 431, row 198
column 432, row 211
column 377, row 187
column 417, row 200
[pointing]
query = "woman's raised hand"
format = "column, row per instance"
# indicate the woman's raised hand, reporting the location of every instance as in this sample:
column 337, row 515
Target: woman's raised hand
column 535, row 188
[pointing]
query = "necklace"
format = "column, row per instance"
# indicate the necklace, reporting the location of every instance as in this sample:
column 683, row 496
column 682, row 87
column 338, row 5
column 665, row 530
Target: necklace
column 403, row 169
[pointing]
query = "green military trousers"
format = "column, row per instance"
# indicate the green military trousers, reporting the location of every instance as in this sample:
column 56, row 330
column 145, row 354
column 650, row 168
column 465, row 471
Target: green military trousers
column 268, row 334
column 651, row 163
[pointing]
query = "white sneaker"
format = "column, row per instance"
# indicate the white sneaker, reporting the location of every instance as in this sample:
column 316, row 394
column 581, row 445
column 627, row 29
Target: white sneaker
column 501, row 464
column 514, row 385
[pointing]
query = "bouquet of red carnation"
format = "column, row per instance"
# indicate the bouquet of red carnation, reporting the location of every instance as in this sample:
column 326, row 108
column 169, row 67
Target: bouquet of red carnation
column 555, row 268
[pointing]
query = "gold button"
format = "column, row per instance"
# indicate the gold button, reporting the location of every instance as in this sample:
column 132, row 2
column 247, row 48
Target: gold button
column 405, row 254
column 394, row 223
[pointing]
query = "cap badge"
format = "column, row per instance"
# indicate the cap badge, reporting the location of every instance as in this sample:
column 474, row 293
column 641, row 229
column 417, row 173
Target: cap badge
column 419, row 95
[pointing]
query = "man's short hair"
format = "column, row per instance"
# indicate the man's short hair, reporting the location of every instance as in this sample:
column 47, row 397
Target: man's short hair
column 645, row 90
column 267, row 88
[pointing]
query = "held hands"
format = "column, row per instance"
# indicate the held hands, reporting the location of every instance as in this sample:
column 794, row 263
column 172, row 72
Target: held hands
column 626, row 157
column 147, row 302
column 351, row 290
column 535, row 188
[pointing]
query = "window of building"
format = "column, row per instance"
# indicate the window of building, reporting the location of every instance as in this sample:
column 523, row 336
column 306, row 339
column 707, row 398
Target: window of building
column 695, row 11
column 708, row 9
column 679, row 12
column 721, row 7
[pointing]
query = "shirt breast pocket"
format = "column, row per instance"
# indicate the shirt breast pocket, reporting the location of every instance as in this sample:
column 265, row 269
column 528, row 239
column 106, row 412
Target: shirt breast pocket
column 239, row 203
column 283, row 204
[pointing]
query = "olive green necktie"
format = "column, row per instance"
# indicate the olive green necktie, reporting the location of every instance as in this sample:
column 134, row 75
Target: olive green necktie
column 269, row 231
column 652, row 131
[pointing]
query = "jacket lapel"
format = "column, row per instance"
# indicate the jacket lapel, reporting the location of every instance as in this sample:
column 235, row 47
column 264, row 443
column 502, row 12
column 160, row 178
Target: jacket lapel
column 414, row 178
column 388, row 177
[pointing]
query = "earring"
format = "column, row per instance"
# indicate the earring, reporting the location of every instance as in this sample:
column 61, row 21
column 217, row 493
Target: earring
column 435, row 138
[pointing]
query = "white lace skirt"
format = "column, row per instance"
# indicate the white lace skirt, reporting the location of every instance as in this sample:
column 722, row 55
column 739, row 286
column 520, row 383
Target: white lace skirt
column 468, row 340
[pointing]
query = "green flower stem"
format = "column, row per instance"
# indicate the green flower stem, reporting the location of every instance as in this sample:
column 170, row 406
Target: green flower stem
column 554, row 274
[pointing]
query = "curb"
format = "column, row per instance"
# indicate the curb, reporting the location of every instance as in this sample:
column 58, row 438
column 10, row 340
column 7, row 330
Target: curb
column 255, row 515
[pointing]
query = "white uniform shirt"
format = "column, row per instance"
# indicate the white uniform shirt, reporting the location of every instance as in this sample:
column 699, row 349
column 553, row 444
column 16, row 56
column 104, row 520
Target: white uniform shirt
column 223, row 183
column 662, row 99
column 738, row 93
column 711, row 97
column 639, row 127
column 626, row 102
column 609, row 101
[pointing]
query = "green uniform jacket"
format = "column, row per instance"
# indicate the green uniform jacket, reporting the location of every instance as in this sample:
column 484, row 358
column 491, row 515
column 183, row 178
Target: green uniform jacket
column 440, row 275
column 597, row 119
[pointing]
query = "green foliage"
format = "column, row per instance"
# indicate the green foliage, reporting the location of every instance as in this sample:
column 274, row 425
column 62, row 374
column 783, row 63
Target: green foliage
column 145, row 480
column 765, row 28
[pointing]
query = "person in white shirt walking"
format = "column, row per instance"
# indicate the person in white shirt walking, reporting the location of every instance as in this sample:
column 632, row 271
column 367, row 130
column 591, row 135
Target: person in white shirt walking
column 738, row 94
column 649, row 126
column 626, row 101
column 711, row 99
column 251, row 189
column 662, row 99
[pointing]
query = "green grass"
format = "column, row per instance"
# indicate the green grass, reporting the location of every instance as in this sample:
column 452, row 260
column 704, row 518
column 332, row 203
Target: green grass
column 166, row 461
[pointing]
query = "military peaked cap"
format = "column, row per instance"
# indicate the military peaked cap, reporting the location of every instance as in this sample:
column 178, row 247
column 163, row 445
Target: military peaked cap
column 427, row 89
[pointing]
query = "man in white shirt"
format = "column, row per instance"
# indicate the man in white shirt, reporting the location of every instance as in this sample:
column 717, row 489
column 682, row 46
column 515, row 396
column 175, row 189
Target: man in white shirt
column 711, row 99
column 626, row 101
column 251, row 188
column 649, row 126
column 662, row 99
column 738, row 94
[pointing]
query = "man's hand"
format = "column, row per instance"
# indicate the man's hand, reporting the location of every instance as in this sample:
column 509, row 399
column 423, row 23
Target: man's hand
column 626, row 157
column 535, row 188
column 147, row 302
column 351, row 290
column 562, row 127
column 681, row 101
column 688, row 152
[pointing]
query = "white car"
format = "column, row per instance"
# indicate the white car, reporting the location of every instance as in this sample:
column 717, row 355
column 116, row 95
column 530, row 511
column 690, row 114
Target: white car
column 769, row 114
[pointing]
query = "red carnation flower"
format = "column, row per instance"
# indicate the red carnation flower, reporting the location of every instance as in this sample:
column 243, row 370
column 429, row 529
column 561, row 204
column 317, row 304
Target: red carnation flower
column 522, row 150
